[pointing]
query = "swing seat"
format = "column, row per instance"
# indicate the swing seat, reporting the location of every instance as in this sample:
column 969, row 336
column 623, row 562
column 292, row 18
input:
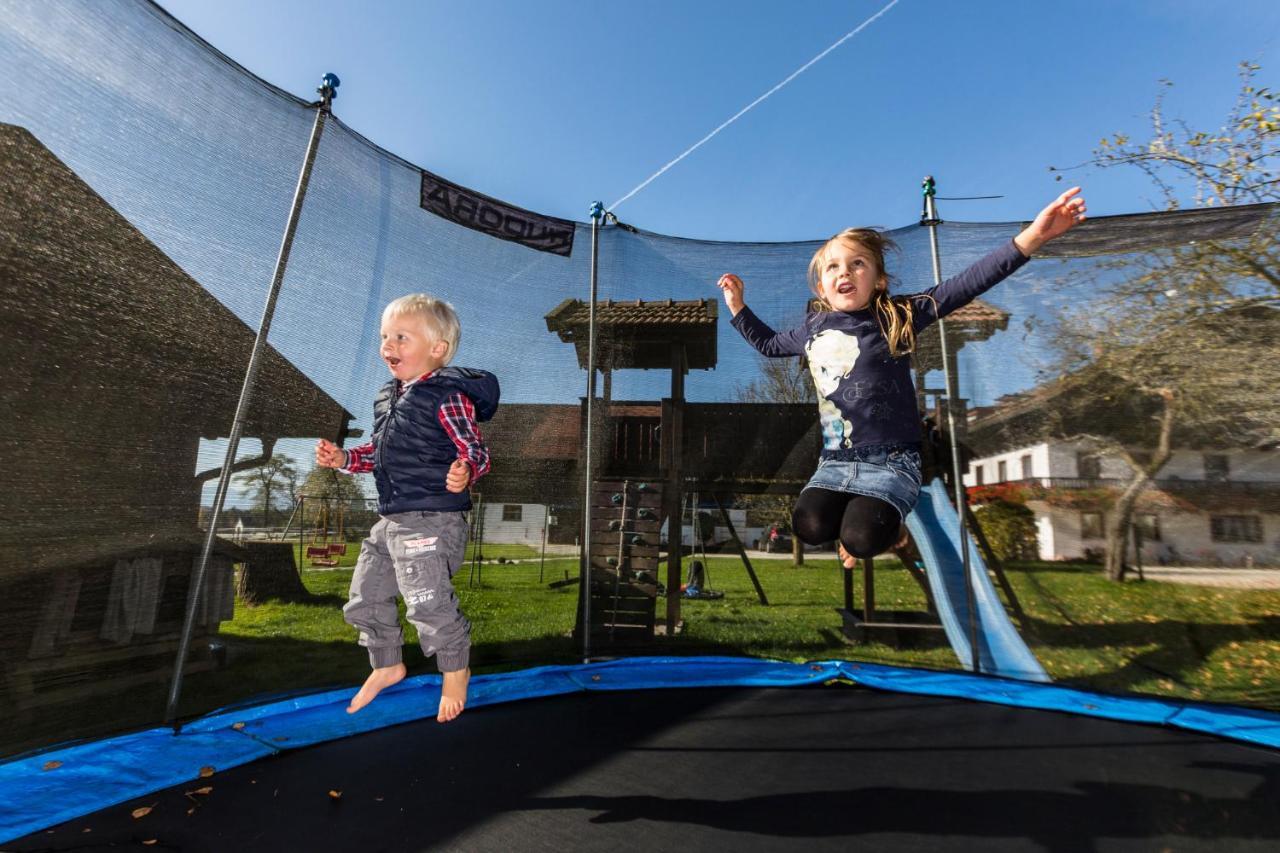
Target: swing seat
column 338, row 549
column 319, row 555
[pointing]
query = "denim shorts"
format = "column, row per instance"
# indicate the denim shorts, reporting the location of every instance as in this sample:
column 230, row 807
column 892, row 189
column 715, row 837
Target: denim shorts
column 890, row 473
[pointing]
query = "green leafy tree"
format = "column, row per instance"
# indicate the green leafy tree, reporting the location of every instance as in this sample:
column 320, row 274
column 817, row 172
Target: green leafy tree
column 272, row 484
column 331, row 495
column 1010, row 529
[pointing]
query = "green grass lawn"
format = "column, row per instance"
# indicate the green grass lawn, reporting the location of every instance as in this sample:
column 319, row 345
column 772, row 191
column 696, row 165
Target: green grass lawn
column 1153, row 638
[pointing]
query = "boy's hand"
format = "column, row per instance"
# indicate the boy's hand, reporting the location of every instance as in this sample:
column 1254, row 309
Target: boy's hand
column 732, row 287
column 459, row 476
column 1062, row 214
column 330, row 455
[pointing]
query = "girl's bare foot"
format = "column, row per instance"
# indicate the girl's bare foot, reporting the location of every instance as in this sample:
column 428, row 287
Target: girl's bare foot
column 380, row 679
column 846, row 559
column 453, row 694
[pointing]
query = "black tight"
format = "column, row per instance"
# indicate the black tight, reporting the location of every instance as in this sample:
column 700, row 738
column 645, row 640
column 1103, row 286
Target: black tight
column 865, row 526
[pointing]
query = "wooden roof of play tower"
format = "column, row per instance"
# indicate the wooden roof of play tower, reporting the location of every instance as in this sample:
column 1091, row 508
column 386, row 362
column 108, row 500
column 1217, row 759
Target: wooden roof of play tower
column 639, row 335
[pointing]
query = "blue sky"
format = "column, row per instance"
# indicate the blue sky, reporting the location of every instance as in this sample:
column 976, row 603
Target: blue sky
column 551, row 105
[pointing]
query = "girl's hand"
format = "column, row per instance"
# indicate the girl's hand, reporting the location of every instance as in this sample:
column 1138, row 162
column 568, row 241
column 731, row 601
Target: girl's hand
column 732, row 287
column 330, row 455
column 458, row 477
column 1058, row 218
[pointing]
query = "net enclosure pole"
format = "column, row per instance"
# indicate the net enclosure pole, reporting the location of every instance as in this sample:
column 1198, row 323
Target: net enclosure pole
column 328, row 91
column 584, row 566
column 929, row 218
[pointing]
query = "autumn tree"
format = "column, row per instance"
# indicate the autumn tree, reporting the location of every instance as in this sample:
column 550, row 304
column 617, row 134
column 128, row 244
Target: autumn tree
column 1182, row 341
column 781, row 380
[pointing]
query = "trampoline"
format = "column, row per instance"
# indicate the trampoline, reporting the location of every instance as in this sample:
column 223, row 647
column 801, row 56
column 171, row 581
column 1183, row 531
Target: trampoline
column 143, row 193
column 621, row 756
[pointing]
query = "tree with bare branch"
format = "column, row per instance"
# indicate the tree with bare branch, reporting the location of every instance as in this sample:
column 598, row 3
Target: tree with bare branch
column 781, row 380
column 1181, row 347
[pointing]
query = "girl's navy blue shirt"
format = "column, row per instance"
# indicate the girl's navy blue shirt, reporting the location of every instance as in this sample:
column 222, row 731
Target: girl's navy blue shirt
column 866, row 397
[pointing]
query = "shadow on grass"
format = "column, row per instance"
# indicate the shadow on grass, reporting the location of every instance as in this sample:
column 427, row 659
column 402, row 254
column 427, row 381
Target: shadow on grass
column 1182, row 649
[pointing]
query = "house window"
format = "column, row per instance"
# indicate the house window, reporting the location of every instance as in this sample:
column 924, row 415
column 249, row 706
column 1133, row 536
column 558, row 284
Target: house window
column 1091, row 525
column 1148, row 526
column 1235, row 528
column 977, row 474
column 1002, row 471
column 512, row 512
column 1216, row 466
column 1088, row 466
column 1026, row 467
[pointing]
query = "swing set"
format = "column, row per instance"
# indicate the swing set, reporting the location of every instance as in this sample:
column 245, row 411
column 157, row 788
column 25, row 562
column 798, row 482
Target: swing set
column 330, row 521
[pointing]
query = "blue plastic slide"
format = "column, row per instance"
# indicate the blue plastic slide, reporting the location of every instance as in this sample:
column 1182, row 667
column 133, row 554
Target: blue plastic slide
column 936, row 529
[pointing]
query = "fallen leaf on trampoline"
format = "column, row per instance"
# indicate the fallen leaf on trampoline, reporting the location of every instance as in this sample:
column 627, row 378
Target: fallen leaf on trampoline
column 52, row 765
column 205, row 790
column 142, row 811
column 206, row 772
column 336, row 795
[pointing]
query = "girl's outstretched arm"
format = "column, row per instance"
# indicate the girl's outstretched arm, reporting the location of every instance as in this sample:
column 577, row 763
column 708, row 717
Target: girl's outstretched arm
column 756, row 331
column 1058, row 218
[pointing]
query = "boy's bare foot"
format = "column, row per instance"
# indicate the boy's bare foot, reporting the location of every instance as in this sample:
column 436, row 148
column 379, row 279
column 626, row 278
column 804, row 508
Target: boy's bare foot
column 453, row 694
column 380, row 679
column 846, row 559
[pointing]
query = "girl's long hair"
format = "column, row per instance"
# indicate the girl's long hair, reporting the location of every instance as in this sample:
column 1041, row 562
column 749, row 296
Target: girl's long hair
column 894, row 314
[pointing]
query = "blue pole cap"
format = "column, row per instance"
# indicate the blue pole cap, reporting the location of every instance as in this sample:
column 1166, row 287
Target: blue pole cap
column 597, row 209
column 329, row 84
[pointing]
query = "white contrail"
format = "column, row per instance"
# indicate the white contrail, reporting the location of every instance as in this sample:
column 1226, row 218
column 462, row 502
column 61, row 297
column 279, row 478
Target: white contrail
column 748, row 107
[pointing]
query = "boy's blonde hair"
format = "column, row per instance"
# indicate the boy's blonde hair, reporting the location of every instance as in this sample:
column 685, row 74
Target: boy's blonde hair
column 438, row 316
column 894, row 314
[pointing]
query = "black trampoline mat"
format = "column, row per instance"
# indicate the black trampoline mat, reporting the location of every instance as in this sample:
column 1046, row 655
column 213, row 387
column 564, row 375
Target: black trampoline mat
column 824, row 768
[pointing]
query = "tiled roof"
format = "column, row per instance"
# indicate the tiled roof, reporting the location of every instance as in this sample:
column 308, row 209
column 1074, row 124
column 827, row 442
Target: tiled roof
column 662, row 312
column 641, row 335
column 978, row 311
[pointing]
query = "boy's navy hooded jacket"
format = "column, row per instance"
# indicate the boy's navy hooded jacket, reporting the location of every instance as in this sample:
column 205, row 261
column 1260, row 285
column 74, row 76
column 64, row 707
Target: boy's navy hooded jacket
column 412, row 451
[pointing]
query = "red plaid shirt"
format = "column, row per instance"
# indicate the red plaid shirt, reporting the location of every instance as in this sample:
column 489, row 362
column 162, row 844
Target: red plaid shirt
column 458, row 417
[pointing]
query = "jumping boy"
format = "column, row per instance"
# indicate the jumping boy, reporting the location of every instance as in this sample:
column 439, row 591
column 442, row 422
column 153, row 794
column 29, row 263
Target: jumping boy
column 425, row 451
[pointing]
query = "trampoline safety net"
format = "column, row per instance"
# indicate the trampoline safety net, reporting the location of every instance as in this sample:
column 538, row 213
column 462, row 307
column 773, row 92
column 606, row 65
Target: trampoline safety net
column 1115, row 411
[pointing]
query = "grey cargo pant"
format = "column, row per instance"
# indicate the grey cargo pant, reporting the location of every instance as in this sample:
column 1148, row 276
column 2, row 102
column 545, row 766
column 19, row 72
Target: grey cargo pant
column 414, row 554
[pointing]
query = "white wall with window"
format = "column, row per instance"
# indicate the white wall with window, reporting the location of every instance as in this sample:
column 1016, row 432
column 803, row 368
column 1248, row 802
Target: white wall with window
column 1232, row 538
column 1022, row 463
column 1238, row 537
column 514, row 524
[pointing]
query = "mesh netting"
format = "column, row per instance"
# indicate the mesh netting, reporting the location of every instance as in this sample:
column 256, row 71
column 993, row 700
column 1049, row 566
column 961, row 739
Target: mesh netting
column 146, row 183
